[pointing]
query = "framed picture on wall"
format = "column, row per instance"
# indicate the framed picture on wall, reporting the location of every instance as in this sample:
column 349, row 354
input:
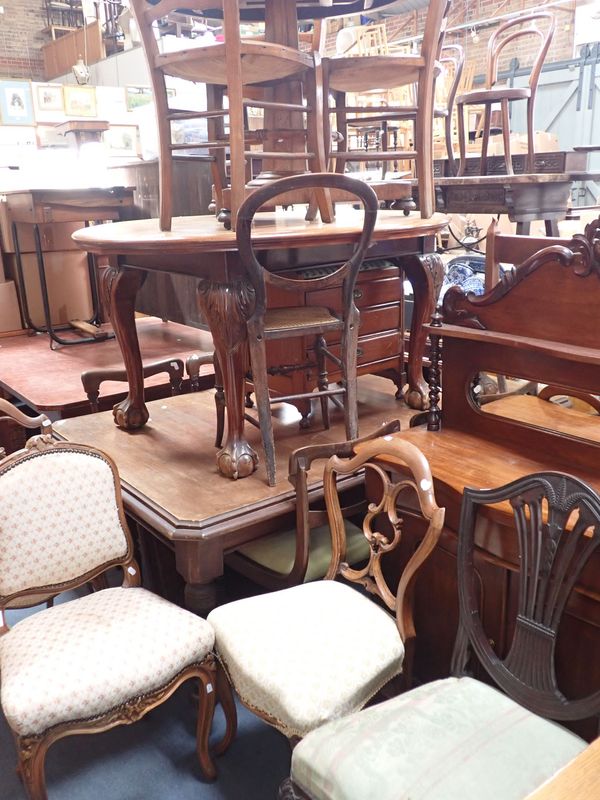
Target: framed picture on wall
column 80, row 101
column 16, row 105
column 121, row 141
column 49, row 97
column 138, row 96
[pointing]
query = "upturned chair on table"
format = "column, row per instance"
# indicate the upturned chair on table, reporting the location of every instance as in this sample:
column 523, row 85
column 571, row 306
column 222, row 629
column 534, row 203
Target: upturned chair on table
column 252, row 73
column 459, row 737
column 342, row 319
column 387, row 72
column 119, row 652
column 492, row 93
column 311, row 653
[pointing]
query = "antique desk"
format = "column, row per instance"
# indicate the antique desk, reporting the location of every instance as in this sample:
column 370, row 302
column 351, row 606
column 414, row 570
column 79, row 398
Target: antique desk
column 200, row 247
column 539, row 323
column 37, row 228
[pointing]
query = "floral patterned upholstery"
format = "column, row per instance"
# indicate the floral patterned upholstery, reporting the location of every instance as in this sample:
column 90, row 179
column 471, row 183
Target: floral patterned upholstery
column 454, row 739
column 305, row 655
column 85, row 657
column 72, row 527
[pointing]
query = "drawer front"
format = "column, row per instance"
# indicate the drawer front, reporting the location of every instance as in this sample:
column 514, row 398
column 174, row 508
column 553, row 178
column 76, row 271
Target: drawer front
column 371, row 349
column 366, row 293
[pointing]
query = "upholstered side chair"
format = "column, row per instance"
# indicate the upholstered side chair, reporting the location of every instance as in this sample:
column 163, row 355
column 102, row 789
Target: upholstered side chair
column 315, row 652
column 120, row 651
column 460, row 737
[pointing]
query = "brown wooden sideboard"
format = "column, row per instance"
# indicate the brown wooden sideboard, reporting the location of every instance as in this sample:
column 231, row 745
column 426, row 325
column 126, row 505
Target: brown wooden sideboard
column 539, row 323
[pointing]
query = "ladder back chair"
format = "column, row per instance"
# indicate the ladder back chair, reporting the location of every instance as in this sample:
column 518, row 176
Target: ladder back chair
column 121, row 651
column 509, row 740
column 266, row 324
column 251, row 73
column 492, row 93
column 311, row 653
column 302, row 553
column 388, row 72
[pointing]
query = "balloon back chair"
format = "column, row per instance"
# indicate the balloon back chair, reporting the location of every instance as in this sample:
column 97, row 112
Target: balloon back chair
column 266, row 324
column 252, row 74
column 307, row 654
column 461, row 737
column 107, row 657
column 492, row 93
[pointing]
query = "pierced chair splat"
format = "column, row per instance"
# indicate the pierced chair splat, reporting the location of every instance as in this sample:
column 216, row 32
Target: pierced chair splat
column 307, row 654
column 512, row 741
column 266, row 324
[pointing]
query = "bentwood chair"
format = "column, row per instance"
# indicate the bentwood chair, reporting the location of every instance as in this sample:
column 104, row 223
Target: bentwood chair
column 105, row 658
column 302, row 553
column 522, row 28
column 460, row 737
column 315, row 652
column 253, row 74
column 388, row 72
column 269, row 324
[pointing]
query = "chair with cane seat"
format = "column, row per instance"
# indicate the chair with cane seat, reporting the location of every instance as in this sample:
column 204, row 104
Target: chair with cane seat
column 267, row 324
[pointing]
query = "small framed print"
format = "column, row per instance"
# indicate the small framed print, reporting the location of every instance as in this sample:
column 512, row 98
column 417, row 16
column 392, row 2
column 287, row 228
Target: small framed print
column 49, row 97
column 121, row 141
column 16, row 105
column 138, row 96
column 80, row 101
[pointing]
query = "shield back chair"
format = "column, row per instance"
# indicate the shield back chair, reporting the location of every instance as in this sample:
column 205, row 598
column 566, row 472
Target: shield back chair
column 302, row 553
column 267, row 324
column 504, row 95
column 304, row 655
column 119, row 651
column 253, row 74
column 389, row 72
column 92, row 379
column 459, row 737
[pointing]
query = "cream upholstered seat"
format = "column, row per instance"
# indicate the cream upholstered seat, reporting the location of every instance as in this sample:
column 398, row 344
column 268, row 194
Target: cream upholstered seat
column 292, row 654
column 310, row 653
column 458, row 738
column 454, row 739
column 77, row 641
column 100, row 660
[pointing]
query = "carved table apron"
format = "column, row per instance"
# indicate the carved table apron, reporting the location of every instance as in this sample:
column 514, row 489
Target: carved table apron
column 198, row 246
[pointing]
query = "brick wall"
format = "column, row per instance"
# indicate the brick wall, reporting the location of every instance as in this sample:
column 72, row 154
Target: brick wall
column 21, row 39
column 408, row 25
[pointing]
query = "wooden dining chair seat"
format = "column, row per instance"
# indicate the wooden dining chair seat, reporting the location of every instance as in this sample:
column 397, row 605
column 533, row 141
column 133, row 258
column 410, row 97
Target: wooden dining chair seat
column 355, row 75
column 302, row 553
column 459, row 738
column 267, row 324
column 520, row 28
column 310, row 653
column 240, row 74
column 103, row 659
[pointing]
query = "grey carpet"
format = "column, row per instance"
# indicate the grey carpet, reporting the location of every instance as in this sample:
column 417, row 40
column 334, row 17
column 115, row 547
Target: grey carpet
column 154, row 759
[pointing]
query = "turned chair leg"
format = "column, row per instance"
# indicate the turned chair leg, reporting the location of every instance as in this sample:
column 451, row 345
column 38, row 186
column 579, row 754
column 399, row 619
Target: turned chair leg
column 530, row 136
column 506, row 136
column 323, row 378
column 487, row 124
column 462, row 143
column 258, row 360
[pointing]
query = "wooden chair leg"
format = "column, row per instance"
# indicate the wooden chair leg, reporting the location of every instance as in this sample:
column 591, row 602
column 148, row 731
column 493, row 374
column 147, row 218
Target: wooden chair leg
column 32, row 757
column 315, row 127
column 449, row 144
column 227, row 700
column 530, row 136
column 206, row 712
column 349, row 358
column 487, row 124
column 462, row 141
column 506, row 136
column 219, row 403
column 258, row 361
column 323, row 378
